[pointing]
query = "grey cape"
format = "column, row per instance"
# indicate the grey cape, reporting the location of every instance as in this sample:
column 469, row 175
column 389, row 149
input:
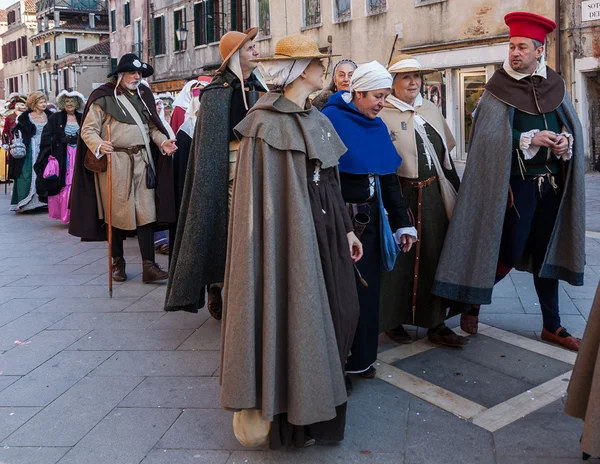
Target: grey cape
column 278, row 346
column 467, row 267
column 199, row 249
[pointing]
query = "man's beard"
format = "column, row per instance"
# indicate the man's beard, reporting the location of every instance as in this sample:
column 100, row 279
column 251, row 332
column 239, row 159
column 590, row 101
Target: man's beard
column 132, row 86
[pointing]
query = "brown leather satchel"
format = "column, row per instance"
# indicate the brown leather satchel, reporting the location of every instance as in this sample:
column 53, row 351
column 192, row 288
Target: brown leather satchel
column 90, row 162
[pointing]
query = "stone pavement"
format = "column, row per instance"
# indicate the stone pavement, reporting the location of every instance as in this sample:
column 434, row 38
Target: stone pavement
column 85, row 379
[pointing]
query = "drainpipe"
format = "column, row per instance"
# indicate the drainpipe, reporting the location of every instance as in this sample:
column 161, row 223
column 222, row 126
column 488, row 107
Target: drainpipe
column 557, row 47
column 285, row 12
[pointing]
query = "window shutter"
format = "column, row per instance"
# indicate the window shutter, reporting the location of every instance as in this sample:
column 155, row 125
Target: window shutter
column 175, row 27
column 113, row 64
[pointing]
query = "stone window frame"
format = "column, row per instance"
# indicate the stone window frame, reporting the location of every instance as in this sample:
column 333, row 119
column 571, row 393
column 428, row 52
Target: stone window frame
column 260, row 35
column 419, row 3
column 316, row 24
column 378, row 11
column 334, row 13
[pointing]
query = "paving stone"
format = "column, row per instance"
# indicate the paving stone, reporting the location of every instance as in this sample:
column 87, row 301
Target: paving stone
column 584, row 305
column 540, row 435
column 530, row 322
column 59, row 291
column 201, row 428
column 88, row 256
column 6, row 380
column 59, row 279
column 504, row 306
column 37, row 455
column 25, row 327
column 511, row 360
column 22, row 359
column 436, row 436
column 46, row 383
column 102, row 279
column 157, row 456
column 43, row 269
column 132, row 339
column 16, row 307
column 153, row 301
column 9, row 293
column 181, row 320
column 134, row 288
column 160, row 363
column 105, row 321
column 314, row 455
column 545, row 460
column 79, row 305
column 125, row 436
column 13, row 418
column 82, row 407
column 207, row 337
column 505, row 289
column 8, row 279
column 175, row 392
column 465, row 378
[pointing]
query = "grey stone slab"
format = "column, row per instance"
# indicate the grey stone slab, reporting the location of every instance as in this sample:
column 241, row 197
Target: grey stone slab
column 207, row 337
column 8, row 279
column 8, row 293
column 134, row 288
column 532, row 306
column 102, row 279
column 175, row 392
column 25, row 327
column 43, row 269
column 557, row 406
column 314, row 455
column 504, row 306
column 22, row 359
column 54, row 280
column 125, row 436
column 13, row 418
column 181, row 320
column 7, row 380
column 511, row 360
column 584, row 305
column 153, row 301
column 500, row 459
column 46, row 383
column 117, row 321
column 514, row 322
column 87, row 256
column 201, row 428
column 35, row 455
column 17, row 307
column 70, row 417
column 160, row 363
column 59, row 291
column 157, row 456
column 132, row 339
column 80, row 305
column 437, row 436
column 504, row 289
column 540, row 435
column 465, row 378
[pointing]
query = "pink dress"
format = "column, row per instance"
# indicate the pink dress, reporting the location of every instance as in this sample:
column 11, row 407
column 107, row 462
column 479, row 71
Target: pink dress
column 58, row 205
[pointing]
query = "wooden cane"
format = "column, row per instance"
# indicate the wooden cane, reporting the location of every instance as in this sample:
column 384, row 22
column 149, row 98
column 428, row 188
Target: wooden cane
column 109, row 215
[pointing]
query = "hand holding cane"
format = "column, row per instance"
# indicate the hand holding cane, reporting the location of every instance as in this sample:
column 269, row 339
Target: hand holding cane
column 109, row 214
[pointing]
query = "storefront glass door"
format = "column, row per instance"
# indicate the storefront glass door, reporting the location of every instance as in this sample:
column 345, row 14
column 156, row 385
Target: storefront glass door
column 472, row 84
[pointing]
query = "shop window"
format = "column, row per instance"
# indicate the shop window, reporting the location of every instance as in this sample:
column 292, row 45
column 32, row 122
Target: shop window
column 376, row 7
column 264, row 18
column 311, row 13
column 434, row 89
column 342, row 10
column 71, row 46
column 159, row 35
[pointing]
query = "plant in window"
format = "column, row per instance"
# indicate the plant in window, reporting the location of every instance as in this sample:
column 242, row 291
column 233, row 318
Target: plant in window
column 312, row 12
column 264, row 18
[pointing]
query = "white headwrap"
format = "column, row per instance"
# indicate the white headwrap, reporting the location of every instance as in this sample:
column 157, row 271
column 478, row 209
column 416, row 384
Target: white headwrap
column 369, row 76
column 282, row 73
column 185, row 96
column 189, row 123
column 161, row 115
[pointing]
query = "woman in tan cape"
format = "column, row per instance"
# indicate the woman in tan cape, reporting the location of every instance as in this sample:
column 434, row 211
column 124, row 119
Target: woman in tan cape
column 583, row 401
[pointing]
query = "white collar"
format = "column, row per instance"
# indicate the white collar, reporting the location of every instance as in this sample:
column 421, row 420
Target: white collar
column 403, row 106
column 540, row 71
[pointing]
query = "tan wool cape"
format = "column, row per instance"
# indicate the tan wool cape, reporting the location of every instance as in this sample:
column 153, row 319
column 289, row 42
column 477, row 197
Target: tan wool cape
column 583, row 401
column 278, row 347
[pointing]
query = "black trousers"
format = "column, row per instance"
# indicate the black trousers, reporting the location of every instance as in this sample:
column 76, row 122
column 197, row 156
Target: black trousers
column 528, row 227
column 145, row 236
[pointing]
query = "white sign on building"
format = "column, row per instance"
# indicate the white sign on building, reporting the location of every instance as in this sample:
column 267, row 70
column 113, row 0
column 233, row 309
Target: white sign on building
column 590, row 10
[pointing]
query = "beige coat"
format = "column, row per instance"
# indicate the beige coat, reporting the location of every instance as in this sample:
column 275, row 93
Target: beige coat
column 133, row 204
column 584, row 390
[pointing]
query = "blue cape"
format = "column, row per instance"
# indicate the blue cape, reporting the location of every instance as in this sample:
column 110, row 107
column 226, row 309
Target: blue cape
column 370, row 148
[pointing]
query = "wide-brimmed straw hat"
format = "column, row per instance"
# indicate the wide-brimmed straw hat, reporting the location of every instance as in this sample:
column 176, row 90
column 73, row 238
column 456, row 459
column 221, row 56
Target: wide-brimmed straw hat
column 295, row 47
column 407, row 63
column 232, row 42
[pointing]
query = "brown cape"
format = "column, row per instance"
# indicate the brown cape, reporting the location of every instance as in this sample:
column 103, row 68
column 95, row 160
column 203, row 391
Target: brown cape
column 278, row 350
column 84, row 207
column 584, row 389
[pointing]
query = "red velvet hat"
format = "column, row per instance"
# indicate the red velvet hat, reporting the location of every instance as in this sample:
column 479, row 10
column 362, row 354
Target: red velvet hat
column 533, row 26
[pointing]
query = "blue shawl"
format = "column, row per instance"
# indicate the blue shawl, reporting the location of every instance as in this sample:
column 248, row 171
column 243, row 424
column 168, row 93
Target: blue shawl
column 370, row 148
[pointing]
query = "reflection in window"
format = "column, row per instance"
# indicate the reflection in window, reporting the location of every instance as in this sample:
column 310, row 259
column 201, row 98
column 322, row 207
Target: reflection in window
column 376, row 6
column 264, row 18
column 342, row 10
column 311, row 12
column 434, row 89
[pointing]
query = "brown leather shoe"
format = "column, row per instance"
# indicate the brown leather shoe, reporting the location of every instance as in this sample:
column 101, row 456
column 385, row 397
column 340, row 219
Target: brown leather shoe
column 469, row 323
column 118, row 270
column 399, row 335
column 569, row 342
column 152, row 272
column 445, row 336
column 215, row 302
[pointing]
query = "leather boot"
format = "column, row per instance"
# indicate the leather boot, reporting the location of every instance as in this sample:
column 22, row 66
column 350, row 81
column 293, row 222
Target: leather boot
column 215, row 302
column 118, row 271
column 152, row 272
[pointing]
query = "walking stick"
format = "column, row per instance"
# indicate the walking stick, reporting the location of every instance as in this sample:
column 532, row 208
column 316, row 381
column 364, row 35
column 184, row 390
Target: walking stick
column 109, row 215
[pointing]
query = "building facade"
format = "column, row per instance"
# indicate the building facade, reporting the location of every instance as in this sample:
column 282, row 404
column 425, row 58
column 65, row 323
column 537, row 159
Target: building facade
column 201, row 25
column 64, row 27
column 17, row 50
column 85, row 70
column 129, row 30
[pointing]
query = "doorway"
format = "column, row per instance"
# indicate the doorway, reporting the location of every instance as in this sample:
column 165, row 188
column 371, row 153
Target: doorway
column 472, row 84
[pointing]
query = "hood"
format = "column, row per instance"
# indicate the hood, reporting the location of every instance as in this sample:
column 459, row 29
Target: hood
column 276, row 102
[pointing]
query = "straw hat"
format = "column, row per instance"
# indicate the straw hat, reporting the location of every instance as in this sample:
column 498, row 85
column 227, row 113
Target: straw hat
column 232, row 42
column 295, row 47
column 407, row 63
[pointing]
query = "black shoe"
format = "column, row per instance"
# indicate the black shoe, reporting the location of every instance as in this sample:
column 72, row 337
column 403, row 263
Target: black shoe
column 442, row 335
column 349, row 387
column 400, row 335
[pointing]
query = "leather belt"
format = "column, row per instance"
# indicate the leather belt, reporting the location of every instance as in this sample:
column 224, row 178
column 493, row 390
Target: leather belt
column 419, row 186
column 130, row 150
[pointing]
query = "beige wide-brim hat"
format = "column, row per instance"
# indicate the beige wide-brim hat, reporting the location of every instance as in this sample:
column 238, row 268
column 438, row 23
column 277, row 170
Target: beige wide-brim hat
column 232, row 42
column 407, row 63
column 295, row 47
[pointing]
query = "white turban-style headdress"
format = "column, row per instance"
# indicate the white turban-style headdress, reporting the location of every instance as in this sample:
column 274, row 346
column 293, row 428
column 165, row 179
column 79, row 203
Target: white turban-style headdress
column 369, row 76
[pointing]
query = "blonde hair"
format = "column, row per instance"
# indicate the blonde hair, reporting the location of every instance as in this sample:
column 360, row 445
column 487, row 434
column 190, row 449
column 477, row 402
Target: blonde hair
column 33, row 98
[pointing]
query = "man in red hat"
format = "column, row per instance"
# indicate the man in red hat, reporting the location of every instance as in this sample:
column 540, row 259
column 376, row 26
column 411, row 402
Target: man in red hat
column 525, row 176
column 200, row 245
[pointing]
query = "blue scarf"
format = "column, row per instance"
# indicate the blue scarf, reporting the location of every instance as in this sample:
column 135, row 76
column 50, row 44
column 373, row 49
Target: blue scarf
column 370, row 148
